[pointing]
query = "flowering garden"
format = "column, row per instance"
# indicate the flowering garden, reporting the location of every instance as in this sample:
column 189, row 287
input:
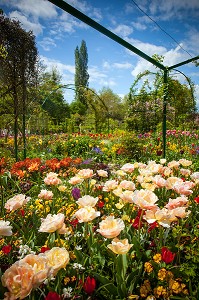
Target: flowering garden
column 100, row 217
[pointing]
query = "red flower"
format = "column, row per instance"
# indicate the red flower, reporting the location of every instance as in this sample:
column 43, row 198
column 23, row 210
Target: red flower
column 74, row 222
column 167, row 255
column 137, row 223
column 52, row 296
column 22, row 212
column 89, row 285
column 196, row 199
column 152, row 226
column 100, row 203
column 6, row 249
column 138, row 220
column 159, row 152
column 44, row 249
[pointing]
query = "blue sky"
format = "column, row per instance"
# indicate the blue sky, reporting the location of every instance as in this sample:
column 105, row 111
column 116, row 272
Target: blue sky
column 109, row 64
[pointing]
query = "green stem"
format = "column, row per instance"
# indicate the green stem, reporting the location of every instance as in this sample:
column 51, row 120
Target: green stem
column 139, row 225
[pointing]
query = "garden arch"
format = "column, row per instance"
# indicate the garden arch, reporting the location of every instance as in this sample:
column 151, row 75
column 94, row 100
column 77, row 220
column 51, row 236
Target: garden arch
column 84, row 18
column 73, row 87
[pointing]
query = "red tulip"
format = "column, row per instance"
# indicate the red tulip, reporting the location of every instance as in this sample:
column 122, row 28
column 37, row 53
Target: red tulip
column 167, row 255
column 6, row 249
column 52, row 296
column 89, row 285
column 44, row 249
column 100, row 203
column 74, row 222
column 152, row 226
column 22, row 212
column 137, row 223
column 196, row 199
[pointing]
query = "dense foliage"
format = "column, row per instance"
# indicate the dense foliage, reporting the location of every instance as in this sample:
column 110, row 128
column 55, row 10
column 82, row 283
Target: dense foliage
column 17, row 74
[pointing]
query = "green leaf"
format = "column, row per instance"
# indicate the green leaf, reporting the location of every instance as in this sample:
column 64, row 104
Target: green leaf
column 122, row 265
column 107, row 284
column 78, row 255
column 133, row 278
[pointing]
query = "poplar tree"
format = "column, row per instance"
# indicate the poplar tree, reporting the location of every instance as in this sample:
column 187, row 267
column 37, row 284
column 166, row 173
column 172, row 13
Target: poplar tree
column 81, row 74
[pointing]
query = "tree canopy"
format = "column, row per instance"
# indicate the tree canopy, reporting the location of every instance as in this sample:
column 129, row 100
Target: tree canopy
column 17, row 70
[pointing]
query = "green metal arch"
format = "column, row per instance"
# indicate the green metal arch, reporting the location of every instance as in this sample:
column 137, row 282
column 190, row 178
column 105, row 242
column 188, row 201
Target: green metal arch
column 84, row 18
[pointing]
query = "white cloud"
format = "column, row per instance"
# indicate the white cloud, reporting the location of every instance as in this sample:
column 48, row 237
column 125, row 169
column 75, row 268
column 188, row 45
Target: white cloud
column 171, row 57
column 197, row 95
column 192, row 40
column 106, row 65
column 174, row 56
column 149, row 49
column 107, row 83
column 53, row 63
column 141, row 66
column 87, row 9
column 97, row 15
column 36, row 8
column 80, row 5
column 129, row 8
column 171, row 8
column 122, row 65
column 95, row 74
column 139, row 25
column 47, row 43
column 66, row 23
column 26, row 23
column 123, row 30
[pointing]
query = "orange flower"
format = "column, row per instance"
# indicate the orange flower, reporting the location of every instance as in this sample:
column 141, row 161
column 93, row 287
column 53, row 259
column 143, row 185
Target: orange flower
column 18, row 279
column 39, row 266
column 120, row 246
column 53, row 223
column 53, row 164
column 57, row 258
column 52, row 179
column 16, row 202
column 111, row 227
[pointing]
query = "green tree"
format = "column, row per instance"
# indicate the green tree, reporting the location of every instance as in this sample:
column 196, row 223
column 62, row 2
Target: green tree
column 114, row 108
column 181, row 98
column 81, row 74
column 51, row 97
column 17, row 71
column 105, row 110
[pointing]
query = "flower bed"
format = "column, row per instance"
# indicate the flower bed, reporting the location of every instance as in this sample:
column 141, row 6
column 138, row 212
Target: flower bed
column 119, row 146
column 73, row 229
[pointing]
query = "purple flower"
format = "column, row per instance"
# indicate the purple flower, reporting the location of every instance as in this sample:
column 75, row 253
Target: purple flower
column 76, row 193
column 97, row 150
column 87, row 161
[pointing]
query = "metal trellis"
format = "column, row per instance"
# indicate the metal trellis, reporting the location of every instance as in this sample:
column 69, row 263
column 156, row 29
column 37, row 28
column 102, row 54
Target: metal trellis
column 84, row 18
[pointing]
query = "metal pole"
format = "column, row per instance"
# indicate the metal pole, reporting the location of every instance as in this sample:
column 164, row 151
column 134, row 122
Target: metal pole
column 15, row 122
column 24, row 119
column 165, row 111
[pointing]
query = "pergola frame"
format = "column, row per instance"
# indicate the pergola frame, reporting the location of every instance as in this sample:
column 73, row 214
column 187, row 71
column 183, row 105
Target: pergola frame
column 84, row 18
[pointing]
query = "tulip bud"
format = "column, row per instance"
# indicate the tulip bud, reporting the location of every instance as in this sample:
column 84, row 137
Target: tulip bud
column 167, row 255
column 89, row 285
